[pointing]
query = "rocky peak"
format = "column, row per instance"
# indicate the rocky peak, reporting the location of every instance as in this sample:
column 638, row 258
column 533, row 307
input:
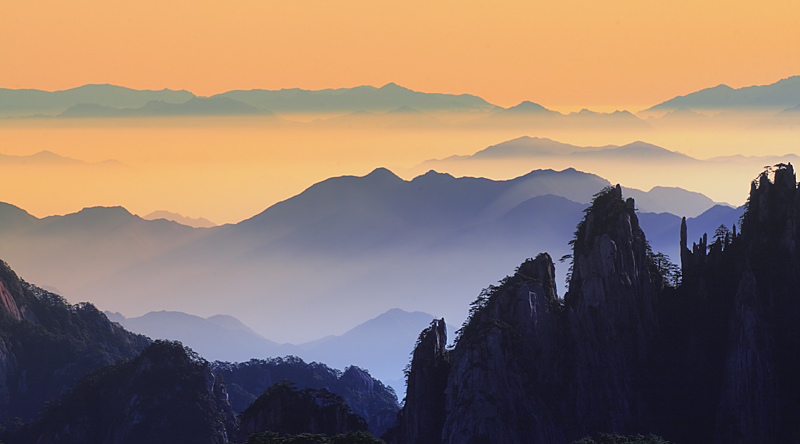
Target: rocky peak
column 528, row 367
column 608, row 242
column 421, row 418
column 610, row 306
column 505, row 360
column 772, row 209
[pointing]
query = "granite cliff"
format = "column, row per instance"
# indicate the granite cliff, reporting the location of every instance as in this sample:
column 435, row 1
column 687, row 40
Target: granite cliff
column 708, row 359
column 47, row 345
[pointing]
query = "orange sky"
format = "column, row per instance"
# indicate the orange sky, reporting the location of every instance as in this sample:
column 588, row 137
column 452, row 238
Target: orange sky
column 564, row 54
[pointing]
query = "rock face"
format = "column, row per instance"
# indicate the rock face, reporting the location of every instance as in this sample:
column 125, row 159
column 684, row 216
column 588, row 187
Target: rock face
column 742, row 334
column 420, row 421
column 529, row 367
column 714, row 360
column 610, row 315
column 167, row 395
column 505, row 363
column 286, row 410
column 46, row 345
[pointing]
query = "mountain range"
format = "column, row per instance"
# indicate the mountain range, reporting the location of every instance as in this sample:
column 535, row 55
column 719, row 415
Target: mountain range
column 380, row 344
column 770, row 98
column 632, row 163
column 696, row 353
column 26, row 102
column 115, row 101
column 390, row 99
column 373, row 242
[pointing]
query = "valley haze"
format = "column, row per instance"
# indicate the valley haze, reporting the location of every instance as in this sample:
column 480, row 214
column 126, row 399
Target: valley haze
column 345, row 250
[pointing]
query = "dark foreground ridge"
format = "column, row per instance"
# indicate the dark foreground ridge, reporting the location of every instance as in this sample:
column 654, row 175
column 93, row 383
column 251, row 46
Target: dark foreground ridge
column 69, row 375
column 47, row 345
column 713, row 359
column 167, row 394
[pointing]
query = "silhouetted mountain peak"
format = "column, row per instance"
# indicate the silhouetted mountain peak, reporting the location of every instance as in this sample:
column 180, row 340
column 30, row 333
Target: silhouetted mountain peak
column 529, row 107
column 391, row 86
column 433, row 176
column 382, row 174
column 101, row 211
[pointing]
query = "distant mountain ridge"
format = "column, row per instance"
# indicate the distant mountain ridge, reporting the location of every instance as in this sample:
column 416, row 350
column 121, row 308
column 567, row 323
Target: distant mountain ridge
column 24, row 102
column 198, row 222
column 528, row 114
column 379, row 345
column 114, row 101
column 354, row 235
column 388, row 98
column 99, row 101
column 527, row 146
column 773, row 97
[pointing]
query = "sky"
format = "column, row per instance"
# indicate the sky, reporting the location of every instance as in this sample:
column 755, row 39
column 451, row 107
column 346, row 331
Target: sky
column 566, row 55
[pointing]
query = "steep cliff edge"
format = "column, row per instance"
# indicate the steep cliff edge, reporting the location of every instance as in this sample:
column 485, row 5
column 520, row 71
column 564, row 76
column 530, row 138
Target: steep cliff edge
column 506, row 366
column 529, row 367
column 714, row 359
column 611, row 318
column 420, row 420
column 745, row 292
column 46, row 345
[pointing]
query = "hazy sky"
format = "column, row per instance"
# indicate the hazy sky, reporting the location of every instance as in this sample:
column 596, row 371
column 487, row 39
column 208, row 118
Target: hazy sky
column 564, row 54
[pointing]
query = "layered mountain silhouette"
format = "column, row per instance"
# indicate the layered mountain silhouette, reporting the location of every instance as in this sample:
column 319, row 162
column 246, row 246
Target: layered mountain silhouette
column 352, row 234
column 635, row 162
column 69, row 374
column 382, row 106
column 532, row 115
column 380, row 344
column 116, row 101
column 217, row 338
column 534, row 147
column 634, row 346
